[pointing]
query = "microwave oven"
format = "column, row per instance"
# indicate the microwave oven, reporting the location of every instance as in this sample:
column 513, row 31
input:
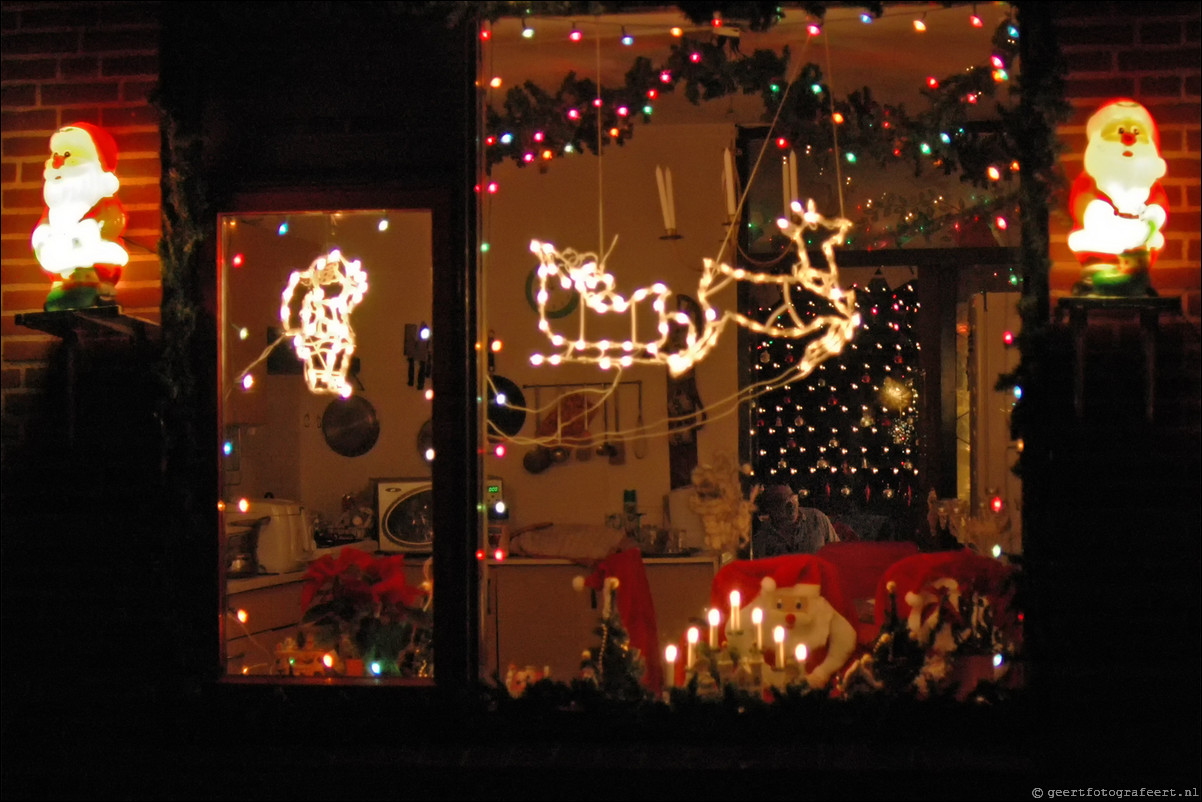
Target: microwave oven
column 405, row 515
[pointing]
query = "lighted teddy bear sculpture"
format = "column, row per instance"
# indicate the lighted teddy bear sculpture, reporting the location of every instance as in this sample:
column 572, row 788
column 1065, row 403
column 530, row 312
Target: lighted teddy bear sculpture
column 1118, row 204
column 808, row 618
column 78, row 239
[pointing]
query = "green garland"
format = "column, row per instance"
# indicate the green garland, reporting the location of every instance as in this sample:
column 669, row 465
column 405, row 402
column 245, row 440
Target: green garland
column 535, row 126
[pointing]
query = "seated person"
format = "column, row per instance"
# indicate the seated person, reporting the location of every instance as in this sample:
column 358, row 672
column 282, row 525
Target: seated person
column 789, row 528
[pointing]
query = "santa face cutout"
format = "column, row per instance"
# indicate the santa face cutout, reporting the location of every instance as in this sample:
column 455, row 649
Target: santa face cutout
column 78, row 240
column 808, row 618
column 1118, row 205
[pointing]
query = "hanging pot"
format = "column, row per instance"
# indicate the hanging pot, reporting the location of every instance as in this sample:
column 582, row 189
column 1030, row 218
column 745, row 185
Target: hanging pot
column 507, row 416
column 350, row 426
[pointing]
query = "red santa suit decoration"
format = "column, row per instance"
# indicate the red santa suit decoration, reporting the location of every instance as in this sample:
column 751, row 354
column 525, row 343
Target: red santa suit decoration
column 78, row 240
column 1118, row 204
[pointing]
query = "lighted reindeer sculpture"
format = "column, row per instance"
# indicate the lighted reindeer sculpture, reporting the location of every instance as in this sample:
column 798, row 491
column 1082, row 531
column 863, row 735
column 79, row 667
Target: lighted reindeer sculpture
column 585, row 273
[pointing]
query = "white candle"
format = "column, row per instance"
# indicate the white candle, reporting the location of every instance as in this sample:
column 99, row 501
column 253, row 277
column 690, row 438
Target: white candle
column 728, row 175
column 663, row 196
column 736, row 618
column 715, row 619
column 670, row 658
column 792, row 176
column 800, row 654
column 693, row 635
column 671, row 199
column 778, row 635
column 757, row 618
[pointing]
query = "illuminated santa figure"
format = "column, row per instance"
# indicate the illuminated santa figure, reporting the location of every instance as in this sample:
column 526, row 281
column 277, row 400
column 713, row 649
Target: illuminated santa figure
column 78, row 240
column 1118, row 204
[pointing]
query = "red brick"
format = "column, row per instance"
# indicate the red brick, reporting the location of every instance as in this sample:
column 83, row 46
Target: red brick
column 18, row 95
column 8, row 172
column 1187, row 223
column 1183, row 167
column 1166, row 113
column 36, row 377
column 1078, row 88
column 33, row 350
column 1115, row 34
column 1193, row 196
column 142, row 270
column 1193, row 305
column 28, row 273
column 80, row 114
column 1192, row 31
column 1090, row 61
column 138, row 90
column 20, row 224
column 22, row 198
column 1160, row 86
column 1193, row 85
column 1171, row 141
column 129, row 14
column 1160, row 33
column 20, row 146
column 9, row 20
column 1174, row 278
column 36, row 44
column 1173, row 247
column 131, row 65
column 139, row 194
column 31, row 171
column 32, row 120
column 132, row 40
column 138, row 141
column 10, row 378
column 1193, row 140
column 140, row 297
column 140, row 168
column 129, row 115
column 47, row 16
column 28, row 69
column 143, row 219
column 79, row 92
column 81, row 67
column 1175, row 59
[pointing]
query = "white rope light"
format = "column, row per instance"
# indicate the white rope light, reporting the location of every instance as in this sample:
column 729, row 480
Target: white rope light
column 321, row 330
column 584, row 273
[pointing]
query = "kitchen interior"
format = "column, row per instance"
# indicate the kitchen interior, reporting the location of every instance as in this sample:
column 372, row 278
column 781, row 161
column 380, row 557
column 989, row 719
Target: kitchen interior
column 312, row 465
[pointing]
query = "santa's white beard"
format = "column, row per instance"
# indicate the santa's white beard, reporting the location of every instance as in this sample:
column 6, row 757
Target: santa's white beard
column 1127, row 180
column 72, row 195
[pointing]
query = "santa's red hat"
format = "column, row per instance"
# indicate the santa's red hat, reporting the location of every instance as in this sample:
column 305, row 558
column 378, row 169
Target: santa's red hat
column 636, row 608
column 1122, row 109
column 106, row 146
column 746, row 576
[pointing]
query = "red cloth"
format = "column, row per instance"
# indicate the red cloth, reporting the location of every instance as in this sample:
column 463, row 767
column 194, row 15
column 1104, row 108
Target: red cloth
column 636, row 608
column 973, row 572
column 787, row 570
column 862, row 564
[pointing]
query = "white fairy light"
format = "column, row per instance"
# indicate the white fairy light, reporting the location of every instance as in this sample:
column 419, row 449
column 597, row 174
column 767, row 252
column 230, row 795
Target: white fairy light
column 321, row 331
column 584, row 272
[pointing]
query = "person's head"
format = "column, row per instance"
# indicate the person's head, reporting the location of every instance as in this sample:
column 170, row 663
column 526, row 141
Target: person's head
column 779, row 503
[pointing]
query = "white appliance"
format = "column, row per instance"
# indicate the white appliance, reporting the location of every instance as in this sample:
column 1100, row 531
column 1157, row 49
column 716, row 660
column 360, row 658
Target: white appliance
column 404, row 514
column 285, row 541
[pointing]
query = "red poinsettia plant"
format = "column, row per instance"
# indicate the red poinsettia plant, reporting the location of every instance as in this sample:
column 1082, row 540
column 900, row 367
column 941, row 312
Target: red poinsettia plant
column 362, row 606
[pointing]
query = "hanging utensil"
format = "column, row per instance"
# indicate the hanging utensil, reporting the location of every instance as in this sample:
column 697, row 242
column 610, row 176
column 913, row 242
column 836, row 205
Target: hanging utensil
column 640, row 437
column 617, row 454
column 559, row 452
column 537, row 459
column 603, row 450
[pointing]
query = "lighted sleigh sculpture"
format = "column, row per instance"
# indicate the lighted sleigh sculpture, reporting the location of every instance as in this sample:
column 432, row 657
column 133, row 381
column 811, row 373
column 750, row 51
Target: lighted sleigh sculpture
column 585, row 274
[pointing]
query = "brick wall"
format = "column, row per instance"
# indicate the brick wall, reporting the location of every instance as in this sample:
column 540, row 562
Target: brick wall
column 67, row 62
column 1148, row 52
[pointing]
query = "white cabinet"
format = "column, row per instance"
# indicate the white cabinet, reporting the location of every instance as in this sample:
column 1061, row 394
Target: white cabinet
column 533, row 615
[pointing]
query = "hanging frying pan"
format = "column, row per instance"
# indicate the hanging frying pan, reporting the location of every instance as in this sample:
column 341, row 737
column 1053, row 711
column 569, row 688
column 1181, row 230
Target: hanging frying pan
column 350, row 426
column 506, row 407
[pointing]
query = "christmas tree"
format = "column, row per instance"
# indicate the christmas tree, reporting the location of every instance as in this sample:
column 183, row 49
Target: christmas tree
column 614, row 665
column 846, row 437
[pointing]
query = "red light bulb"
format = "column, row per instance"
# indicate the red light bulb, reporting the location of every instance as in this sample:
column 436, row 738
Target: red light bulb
column 782, row 143
column 1008, row 337
column 996, row 504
